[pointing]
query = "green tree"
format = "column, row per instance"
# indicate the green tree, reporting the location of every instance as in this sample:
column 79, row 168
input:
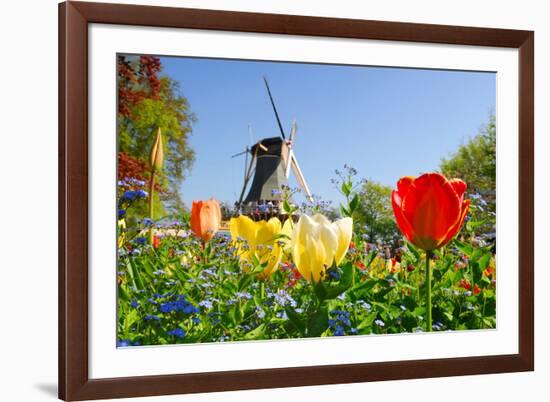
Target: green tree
column 148, row 101
column 475, row 163
column 375, row 211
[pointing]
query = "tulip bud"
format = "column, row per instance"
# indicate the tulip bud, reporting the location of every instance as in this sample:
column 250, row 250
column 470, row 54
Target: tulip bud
column 157, row 153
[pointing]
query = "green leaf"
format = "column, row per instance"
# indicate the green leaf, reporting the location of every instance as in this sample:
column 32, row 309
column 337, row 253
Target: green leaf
column 296, row 320
column 367, row 322
column 465, row 248
column 484, row 261
column 364, row 286
column 256, row 333
column 318, row 323
column 346, row 188
column 245, row 281
column 414, row 251
column 130, row 319
column 354, row 203
column 473, row 225
column 325, row 291
column 236, row 314
column 344, row 211
column 347, row 274
column 135, row 274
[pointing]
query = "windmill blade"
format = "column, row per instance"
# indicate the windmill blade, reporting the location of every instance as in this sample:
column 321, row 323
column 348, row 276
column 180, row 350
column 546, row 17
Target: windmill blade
column 250, row 140
column 248, row 175
column 240, row 153
column 274, row 109
column 289, row 162
column 293, row 131
column 300, row 177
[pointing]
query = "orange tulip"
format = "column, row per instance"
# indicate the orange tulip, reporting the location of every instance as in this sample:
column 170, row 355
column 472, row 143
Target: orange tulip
column 206, row 217
column 429, row 210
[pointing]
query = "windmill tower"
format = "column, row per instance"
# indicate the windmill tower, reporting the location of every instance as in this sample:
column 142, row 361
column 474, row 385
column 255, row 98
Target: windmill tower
column 272, row 159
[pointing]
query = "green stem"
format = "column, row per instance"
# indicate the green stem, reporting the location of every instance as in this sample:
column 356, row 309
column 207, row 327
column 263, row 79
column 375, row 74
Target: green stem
column 151, row 204
column 204, row 253
column 428, row 293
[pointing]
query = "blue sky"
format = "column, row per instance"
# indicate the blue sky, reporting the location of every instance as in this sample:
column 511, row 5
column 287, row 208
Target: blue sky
column 385, row 122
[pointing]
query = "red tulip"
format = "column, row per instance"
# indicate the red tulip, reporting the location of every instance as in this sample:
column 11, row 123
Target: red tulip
column 206, row 217
column 430, row 209
column 156, row 242
column 477, row 290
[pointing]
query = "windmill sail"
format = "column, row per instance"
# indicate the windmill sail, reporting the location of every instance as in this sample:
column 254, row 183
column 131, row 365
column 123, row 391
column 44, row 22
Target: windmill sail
column 300, row 177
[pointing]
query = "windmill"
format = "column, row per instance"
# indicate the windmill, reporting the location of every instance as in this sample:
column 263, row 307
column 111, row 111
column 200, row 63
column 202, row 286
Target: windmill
column 272, row 159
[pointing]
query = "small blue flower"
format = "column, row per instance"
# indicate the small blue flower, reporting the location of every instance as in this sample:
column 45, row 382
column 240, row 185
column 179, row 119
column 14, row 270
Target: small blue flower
column 196, row 320
column 121, row 213
column 333, row 274
column 206, row 304
column 128, row 196
column 147, row 222
column 178, row 333
column 123, row 343
column 260, row 313
column 243, row 295
column 282, row 315
column 140, row 241
column 151, row 318
column 141, row 194
column 166, row 307
column 380, row 323
column 134, row 303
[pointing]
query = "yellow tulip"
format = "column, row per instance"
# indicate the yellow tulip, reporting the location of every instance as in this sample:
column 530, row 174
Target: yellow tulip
column 121, row 232
column 317, row 243
column 262, row 242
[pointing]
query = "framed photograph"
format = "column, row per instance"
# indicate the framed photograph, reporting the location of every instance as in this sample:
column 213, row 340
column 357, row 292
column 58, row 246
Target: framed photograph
column 259, row 200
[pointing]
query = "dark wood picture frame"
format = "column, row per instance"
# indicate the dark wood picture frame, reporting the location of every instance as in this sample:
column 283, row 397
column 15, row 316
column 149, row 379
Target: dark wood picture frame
column 74, row 382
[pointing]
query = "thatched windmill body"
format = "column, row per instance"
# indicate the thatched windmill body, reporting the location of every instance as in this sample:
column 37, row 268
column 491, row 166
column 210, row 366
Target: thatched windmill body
column 272, row 159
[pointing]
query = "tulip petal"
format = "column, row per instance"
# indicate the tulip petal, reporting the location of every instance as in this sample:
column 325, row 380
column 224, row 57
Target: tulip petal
column 267, row 231
column 328, row 236
column 317, row 257
column 286, row 230
column 209, row 220
column 196, row 218
column 243, row 227
column 303, row 261
column 401, row 220
column 454, row 230
column 403, row 185
column 432, row 207
column 345, row 232
column 459, row 186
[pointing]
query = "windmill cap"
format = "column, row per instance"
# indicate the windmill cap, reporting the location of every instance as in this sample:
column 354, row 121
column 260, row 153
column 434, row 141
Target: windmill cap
column 273, row 145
